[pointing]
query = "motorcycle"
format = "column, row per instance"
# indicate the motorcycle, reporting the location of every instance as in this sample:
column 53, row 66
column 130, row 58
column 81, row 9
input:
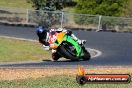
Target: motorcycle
column 67, row 47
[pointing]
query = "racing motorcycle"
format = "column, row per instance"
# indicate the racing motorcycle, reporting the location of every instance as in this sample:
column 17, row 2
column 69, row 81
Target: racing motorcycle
column 67, row 47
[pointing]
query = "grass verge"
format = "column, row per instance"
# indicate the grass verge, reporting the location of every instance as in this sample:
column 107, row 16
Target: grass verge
column 56, row 82
column 15, row 3
column 56, row 78
column 18, row 50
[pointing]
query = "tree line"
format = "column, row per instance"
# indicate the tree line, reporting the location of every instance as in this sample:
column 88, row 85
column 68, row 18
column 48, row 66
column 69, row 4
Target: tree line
column 95, row 7
column 114, row 8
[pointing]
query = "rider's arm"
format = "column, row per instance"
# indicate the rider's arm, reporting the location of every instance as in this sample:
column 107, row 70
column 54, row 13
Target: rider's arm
column 45, row 44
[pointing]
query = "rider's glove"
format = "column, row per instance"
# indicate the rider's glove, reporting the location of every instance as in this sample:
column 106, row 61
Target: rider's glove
column 46, row 47
column 82, row 42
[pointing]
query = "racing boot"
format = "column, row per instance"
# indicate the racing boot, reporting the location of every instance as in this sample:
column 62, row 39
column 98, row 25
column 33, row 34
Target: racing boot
column 55, row 55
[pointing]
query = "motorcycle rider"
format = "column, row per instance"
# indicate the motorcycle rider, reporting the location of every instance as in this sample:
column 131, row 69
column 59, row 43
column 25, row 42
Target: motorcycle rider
column 44, row 33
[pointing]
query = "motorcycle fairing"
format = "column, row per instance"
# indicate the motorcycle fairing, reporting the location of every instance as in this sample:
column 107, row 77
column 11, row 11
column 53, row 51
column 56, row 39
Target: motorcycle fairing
column 57, row 38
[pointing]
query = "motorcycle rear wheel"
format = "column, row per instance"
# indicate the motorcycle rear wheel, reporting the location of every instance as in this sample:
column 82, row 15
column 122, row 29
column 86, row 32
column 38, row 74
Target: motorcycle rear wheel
column 55, row 56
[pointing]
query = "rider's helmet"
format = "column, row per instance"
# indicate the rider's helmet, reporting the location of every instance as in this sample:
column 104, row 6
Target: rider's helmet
column 41, row 32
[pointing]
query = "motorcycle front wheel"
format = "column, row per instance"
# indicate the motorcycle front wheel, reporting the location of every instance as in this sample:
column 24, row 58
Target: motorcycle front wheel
column 68, row 51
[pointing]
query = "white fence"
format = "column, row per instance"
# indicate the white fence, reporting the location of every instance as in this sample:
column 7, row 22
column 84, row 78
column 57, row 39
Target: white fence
column 64, row 19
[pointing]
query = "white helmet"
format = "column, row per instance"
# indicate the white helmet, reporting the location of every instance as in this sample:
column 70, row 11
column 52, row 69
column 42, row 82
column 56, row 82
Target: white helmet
column 60, row 29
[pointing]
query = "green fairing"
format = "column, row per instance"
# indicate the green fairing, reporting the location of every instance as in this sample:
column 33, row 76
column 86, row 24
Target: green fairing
column 73, row 42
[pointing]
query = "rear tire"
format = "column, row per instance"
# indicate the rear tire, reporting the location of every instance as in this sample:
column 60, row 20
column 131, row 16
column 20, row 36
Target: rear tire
column 55, row 56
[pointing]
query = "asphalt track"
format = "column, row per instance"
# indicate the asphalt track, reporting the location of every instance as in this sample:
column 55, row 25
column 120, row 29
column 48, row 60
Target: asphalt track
column 116, row 48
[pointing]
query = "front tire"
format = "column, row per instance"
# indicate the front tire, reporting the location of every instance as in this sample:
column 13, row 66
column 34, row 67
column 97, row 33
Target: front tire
column 67, row 53
column 87, row 55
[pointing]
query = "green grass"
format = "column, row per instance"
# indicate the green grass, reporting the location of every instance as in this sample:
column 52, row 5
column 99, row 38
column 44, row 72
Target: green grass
column 15, row 3
column 56, row 82
column 16, row 50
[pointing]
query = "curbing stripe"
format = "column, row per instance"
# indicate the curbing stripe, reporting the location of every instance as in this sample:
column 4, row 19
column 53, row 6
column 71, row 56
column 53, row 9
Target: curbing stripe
column 98, row 53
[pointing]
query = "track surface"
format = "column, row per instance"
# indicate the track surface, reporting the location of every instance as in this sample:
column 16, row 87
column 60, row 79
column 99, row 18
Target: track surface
column 116, row 48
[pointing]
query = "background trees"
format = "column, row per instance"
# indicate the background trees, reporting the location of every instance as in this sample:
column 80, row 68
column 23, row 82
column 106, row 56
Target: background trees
column 114, row 8
column 95, row 7
column 51, row 4
column 101, row 7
